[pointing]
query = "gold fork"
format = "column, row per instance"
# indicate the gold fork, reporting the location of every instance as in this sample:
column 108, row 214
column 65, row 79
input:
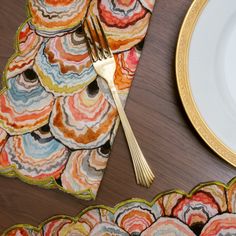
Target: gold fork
column 105, row 66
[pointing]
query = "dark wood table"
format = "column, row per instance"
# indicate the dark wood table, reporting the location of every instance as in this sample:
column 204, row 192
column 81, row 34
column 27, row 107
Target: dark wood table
column 178, row 156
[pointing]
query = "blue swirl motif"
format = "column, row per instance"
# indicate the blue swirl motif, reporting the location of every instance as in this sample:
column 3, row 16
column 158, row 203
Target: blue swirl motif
column 40, row 150
column 35, row 151
column 24, row 99
column 69, row 79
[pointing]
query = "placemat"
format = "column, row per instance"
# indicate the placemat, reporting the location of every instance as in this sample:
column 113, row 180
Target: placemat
column 57, row 117
column 208, row 210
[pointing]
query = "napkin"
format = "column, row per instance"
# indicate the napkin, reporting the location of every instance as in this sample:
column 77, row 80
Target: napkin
column 209, row 209
column 58, row 120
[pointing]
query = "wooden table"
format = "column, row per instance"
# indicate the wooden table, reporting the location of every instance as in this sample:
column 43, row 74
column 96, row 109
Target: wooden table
column 178, row 156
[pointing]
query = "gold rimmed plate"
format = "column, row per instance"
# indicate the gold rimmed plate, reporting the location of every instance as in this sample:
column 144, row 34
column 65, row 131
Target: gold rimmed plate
column 206, row 73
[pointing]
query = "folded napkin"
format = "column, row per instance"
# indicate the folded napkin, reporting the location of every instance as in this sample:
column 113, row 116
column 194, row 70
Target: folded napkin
column 57, row 117
column 209, row 209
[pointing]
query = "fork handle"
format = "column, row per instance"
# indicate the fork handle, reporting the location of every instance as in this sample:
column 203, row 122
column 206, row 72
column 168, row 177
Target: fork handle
column 143, row 173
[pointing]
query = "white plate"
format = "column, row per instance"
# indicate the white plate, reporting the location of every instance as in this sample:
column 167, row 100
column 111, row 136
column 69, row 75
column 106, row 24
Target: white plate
column 206, row 73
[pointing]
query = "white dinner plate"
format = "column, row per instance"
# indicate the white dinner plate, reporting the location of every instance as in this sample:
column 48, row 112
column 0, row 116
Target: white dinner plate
column 206, row 73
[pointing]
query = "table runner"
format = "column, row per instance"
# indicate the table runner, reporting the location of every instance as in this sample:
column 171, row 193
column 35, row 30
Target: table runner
column 209, row 209
column 57, row 117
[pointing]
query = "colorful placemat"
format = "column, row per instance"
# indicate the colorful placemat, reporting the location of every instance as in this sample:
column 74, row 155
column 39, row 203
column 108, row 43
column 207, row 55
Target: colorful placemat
column 208, row 210
column 57, row 117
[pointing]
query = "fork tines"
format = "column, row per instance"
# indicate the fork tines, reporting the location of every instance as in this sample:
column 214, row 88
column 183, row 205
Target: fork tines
column 96, row 39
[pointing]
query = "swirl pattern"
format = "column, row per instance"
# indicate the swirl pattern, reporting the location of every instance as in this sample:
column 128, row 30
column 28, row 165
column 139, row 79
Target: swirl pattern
column 47, row 158
column 168, row 226
column 29, row 44
column 125, row 23
column 141, row 218
column 51, row 18
column 58, row 118
column 25, row 106
column 85, row 169
column 224, row 224
column 84, row 120
column 63, row 64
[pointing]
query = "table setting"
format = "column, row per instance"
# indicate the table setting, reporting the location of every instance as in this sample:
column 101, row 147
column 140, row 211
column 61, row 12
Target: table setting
column 117, row 117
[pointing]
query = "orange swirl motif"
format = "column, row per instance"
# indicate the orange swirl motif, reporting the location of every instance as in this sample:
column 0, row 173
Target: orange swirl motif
column 124, row 25
column 52, row 18
column 29, row 43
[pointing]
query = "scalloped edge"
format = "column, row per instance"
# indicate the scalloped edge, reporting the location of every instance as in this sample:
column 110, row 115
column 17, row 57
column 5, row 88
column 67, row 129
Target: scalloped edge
column 11, row 171
column 114, row 209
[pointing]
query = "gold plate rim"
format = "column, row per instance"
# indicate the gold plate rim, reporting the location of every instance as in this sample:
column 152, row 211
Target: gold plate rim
column 182, row 75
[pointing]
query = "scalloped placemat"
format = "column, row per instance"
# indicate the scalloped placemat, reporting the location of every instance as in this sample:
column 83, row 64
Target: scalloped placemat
column 209, row 209
column 57, row 117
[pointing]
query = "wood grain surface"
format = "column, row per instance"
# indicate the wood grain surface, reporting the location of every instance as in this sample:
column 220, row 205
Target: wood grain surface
column 176, row 153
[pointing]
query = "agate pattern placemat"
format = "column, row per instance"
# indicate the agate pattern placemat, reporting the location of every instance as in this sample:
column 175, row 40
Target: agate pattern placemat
column 209, row 209
column 57, row 117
